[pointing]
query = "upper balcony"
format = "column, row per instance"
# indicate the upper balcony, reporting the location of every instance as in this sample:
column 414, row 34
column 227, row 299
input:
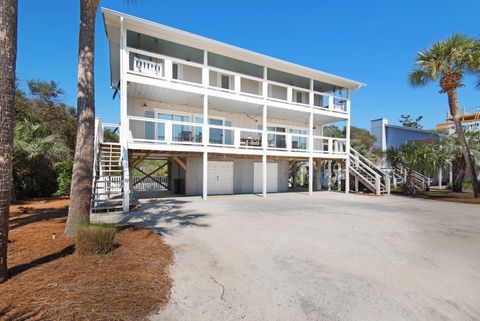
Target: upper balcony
column 177, row 63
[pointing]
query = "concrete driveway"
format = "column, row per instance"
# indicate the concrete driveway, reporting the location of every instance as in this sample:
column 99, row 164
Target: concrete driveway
column 329, row 256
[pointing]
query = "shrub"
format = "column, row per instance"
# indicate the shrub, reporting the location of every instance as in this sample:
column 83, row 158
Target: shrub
column 64, row 178
column 95, row 239
column 467, row 185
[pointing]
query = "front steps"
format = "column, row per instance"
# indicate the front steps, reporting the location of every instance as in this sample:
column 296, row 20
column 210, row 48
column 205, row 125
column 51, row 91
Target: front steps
column 370, row 175
column 107, row 197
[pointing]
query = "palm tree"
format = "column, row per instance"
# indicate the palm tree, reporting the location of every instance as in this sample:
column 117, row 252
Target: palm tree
column 448, row 62
column 452, row 148
column 8, row 58
column 30, row 142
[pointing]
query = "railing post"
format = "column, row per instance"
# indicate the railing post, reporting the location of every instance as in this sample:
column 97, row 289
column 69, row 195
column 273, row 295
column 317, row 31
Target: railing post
column 330, row 102
column 205, row 70
column 289, row 142
column 289, row 94
column 168, row 69
column 169, row 132
column 237, row 84
column 330, row 146
column 236, row 138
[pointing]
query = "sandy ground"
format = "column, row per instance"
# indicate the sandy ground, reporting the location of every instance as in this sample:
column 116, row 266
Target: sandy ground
column 329, row 256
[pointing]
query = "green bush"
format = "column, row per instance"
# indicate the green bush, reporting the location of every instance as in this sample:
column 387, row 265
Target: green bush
column 64, row 178
column 95, row 239
column 467, row 185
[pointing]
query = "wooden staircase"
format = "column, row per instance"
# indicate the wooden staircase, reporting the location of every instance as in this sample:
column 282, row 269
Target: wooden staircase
column 107, row 196
column 369, row 174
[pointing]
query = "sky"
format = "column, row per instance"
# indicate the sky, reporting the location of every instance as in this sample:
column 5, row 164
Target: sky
column 374, row 42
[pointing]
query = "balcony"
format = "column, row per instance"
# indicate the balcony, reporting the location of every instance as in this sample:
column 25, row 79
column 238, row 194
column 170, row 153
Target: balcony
column 174, row 132
column 180, row 71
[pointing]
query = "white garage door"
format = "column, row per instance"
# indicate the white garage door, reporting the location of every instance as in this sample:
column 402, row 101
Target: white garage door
column 272, row 177
column 220, row 178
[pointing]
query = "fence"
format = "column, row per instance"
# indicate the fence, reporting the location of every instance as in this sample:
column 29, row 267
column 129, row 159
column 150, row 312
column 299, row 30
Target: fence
column 149, row 183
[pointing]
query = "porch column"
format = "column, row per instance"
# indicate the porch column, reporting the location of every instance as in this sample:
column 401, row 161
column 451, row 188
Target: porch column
column 310, row 175
column 450, row 175
column 347, row 152
column 329, row 175
column 205, row 131
column 124, row 125
column 264, row 175
column 319, row 175
column 440, row 177
column 205, row 176
column 264, row 156
column 339, row 177
column 356, row 184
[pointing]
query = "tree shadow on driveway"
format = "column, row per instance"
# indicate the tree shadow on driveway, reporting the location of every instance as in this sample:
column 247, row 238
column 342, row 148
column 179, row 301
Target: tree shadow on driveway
column 165, row 216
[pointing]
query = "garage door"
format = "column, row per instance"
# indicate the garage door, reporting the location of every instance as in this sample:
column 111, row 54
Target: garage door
column 272, row 177
column 220, row 178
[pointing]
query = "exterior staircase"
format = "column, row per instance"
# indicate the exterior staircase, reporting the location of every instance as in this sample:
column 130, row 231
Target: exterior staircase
column 369, row 174
column 399, row 176
column 107, row 196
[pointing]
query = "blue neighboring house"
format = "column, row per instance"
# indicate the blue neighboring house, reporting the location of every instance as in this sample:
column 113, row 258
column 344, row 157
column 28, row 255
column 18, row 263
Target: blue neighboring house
column 388, row 136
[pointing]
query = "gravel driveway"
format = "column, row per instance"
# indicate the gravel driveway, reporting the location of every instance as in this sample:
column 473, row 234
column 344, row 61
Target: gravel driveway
column 329, row 256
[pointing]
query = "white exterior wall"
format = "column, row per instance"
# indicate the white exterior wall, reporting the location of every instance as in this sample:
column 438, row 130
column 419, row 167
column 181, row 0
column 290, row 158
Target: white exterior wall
column 243, row 179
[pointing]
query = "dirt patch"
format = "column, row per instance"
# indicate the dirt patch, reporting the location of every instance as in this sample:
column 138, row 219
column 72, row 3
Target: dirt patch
column 448, row 196
column 50, row 282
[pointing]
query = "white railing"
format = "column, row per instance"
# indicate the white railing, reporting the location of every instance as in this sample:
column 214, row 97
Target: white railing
column 421, row 181
column 150, row 183
column 142, row 62
column 152, row 130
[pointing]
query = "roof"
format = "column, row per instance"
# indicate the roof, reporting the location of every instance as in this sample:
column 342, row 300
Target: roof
column 112, row 24
column 417, row 130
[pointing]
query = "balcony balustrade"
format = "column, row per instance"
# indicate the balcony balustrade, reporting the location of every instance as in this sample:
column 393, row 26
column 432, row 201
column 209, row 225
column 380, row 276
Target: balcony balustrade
column 181, row 71
column 158, row 131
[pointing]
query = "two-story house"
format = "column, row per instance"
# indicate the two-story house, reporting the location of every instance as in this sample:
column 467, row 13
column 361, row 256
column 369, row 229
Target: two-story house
column 229, row 120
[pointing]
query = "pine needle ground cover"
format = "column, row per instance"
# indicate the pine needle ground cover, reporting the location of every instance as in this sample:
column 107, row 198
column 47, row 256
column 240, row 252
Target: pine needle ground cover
column 49, row 281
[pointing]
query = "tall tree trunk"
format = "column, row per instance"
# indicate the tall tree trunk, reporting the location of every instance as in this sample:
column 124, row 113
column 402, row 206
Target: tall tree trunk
column 82, row 176
column 8, row 58
column 458, row 173
column 470, row 165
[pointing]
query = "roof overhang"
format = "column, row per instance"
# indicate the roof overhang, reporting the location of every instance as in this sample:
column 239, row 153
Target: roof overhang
column 112, row 20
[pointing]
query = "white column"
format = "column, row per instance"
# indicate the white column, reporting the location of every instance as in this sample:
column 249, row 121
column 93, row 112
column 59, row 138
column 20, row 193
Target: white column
column 265, row 84
column 168, row 69
column 347, row 160
column 311, row 94
column 264, row 175
column 205, row 176
column 319, row 175
column 440, row 177
column 205, row 130
column 329, row 175
column 264, row 146
column 124, row 125
column 310, row 175
column 339, row 177
column 450, row 175
column 356, row 184
column 310, row 133
column 205, row 71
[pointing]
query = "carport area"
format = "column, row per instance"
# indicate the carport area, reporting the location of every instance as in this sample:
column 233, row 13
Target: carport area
column 329, row 256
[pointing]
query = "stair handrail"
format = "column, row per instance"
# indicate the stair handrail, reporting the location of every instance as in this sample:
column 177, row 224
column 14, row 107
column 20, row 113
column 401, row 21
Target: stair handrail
column 378, row 172
column 364, row 166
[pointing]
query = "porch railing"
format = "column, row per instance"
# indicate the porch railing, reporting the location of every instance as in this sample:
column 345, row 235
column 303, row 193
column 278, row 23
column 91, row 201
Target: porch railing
column 158, row 66
column 158, row 131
